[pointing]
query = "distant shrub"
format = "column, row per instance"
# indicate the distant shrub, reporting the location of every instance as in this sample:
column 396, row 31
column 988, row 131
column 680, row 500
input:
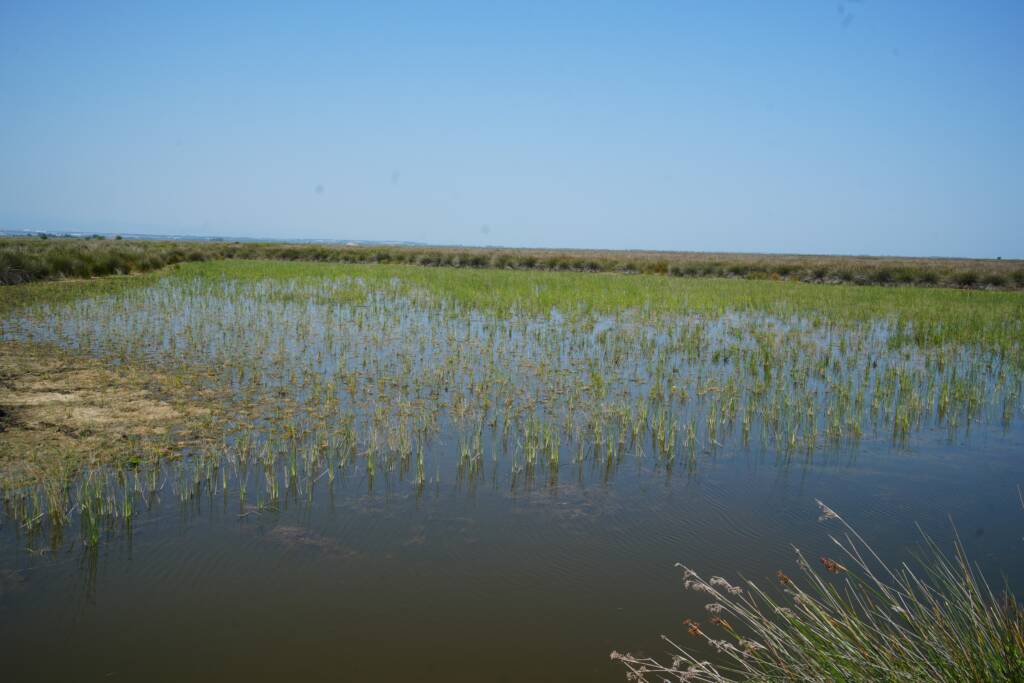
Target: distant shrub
column 966, row 278
column 659, row 267
column 41, row 257
column 904, row 275
column 61, row 264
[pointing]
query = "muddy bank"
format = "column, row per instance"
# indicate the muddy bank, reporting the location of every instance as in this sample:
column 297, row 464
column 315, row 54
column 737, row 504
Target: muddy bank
column 60, row 411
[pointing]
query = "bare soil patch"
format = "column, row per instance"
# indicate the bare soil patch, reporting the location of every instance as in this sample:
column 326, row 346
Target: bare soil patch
column 60, row 411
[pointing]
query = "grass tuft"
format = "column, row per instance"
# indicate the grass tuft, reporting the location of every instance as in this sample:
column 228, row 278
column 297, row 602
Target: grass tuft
column 851, row 619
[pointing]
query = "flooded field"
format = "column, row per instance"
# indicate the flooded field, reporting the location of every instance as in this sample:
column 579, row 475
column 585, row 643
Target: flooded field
column 398, row 473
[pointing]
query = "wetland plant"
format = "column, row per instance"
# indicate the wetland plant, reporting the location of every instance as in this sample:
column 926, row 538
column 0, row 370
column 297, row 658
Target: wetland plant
column 399, row 374
column 855, row 618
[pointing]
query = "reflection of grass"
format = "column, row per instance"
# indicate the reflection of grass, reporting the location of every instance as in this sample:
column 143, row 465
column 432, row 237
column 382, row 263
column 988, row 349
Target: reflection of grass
column 398, row 373
column 855, row 619
column 26, row 260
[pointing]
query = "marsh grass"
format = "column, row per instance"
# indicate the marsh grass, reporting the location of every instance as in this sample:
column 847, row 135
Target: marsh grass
column 30, row 259
column 383, row 374
column 27, row 260
column 852, row 618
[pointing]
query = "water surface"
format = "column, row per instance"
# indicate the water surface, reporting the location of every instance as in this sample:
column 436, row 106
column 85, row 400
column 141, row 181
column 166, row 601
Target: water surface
column 370, row 512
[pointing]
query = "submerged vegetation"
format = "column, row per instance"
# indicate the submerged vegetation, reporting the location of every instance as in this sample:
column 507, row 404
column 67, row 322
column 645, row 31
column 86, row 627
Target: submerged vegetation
column 31, row 259
column 855, row 618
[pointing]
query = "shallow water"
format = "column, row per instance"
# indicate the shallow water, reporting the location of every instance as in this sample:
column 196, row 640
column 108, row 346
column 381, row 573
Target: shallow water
column 346, row 560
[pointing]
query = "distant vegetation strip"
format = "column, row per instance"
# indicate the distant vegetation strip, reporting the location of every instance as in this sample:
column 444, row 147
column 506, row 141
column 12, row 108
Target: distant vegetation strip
column 30, row 259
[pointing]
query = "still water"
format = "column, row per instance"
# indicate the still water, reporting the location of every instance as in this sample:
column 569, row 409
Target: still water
column 484, row 567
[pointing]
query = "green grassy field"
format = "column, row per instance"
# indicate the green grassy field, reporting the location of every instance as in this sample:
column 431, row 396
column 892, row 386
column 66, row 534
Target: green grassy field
column 922, row 316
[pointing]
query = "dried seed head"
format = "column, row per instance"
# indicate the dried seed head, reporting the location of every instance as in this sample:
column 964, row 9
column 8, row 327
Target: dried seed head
column 719, row 582
column 722, row 646
column 832, row 566
column 826, row 512
column 749, row 647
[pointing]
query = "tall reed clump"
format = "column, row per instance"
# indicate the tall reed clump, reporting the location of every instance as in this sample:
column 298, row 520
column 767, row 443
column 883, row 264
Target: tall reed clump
column 854, row 619
column 27, row 260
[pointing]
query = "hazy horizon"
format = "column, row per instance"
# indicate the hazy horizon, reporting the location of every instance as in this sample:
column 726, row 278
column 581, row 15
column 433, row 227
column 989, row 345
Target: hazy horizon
column 60, row 233
column 807, row 128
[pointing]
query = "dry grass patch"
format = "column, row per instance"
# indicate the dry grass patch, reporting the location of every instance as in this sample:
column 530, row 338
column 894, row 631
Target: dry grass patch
column 61, row 411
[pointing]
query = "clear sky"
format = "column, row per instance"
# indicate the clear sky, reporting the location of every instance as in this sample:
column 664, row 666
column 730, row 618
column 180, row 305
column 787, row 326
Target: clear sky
column 880, row 127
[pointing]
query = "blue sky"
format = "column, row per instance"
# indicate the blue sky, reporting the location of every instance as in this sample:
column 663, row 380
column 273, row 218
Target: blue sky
column 799, row 126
